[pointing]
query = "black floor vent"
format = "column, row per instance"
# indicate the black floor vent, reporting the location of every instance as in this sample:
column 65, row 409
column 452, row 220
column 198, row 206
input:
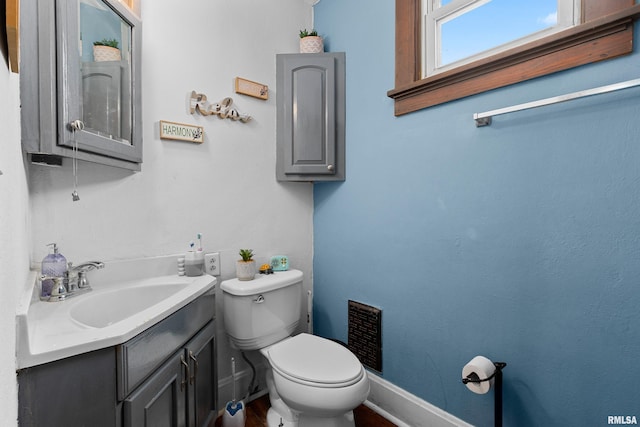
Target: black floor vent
column 365, row 334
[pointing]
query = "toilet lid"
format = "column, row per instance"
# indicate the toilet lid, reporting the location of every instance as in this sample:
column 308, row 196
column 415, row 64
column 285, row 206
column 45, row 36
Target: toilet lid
column 314, row 359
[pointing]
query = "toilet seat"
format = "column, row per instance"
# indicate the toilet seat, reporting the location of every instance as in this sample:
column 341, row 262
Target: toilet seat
column 315, row 361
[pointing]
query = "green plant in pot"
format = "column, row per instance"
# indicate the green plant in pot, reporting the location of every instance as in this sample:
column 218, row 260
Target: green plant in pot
column 246, row 267
column 310, row 42
column 107, row 42
column 106, row 50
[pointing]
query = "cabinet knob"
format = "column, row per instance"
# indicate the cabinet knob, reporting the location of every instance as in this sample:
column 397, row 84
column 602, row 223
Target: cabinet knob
column 76, row 125
column 330, row 168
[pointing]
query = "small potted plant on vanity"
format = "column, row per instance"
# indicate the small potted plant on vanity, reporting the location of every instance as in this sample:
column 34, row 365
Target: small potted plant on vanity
column 106, row 50
column 310, row 42
column 246, row 267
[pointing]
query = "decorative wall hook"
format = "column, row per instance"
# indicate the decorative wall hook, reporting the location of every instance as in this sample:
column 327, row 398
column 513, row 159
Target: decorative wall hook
column 223, row 109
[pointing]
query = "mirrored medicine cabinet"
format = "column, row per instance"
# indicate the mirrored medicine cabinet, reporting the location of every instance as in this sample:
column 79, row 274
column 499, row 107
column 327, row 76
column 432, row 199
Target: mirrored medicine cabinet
column 80, row 82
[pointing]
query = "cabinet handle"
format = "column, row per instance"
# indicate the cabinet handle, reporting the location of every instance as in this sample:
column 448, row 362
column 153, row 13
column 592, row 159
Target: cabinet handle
column 192, row 379
column 330, row 168
column 186, row 367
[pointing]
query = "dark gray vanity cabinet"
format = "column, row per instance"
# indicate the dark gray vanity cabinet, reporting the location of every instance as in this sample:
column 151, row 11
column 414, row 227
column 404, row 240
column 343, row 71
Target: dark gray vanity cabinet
column 164, row 376
column 76, row 103
column 310, row 117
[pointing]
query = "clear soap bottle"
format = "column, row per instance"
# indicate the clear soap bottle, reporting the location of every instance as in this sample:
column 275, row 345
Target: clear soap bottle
column 53, row 265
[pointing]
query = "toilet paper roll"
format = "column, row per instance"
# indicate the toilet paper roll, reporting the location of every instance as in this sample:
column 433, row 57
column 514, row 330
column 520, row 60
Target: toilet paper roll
column 479, row 367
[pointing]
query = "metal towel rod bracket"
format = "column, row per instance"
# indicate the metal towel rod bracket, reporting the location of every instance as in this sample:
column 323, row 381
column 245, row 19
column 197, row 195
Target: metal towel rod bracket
column 484, row 119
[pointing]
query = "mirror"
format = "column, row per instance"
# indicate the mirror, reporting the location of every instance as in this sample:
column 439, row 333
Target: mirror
column 99, row 72
column 105, row 52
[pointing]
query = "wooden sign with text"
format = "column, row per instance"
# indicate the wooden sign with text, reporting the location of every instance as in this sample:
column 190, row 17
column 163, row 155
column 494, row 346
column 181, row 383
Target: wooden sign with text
column 181, row 132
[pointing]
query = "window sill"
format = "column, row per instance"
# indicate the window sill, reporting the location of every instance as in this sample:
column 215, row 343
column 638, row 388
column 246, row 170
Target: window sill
column 599, row 39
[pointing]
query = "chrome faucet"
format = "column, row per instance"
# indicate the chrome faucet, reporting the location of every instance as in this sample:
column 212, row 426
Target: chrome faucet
column 74, row 281
column 76, row 276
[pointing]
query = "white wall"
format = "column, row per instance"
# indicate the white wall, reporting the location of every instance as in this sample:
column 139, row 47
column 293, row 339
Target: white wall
column 14, row 237
column 224, row 188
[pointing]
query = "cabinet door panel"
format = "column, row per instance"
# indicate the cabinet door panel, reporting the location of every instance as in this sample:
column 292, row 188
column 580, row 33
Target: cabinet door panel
column 309, row 127
column 310, row 102
column 161, row 400
column 78, row 20
column 312, row 145
column 202, row 389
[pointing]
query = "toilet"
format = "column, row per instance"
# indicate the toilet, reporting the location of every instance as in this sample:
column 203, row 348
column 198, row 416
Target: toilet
column 312, row 381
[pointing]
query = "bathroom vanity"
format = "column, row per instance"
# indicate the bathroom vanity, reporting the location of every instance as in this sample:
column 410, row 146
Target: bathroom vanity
column 154, row 367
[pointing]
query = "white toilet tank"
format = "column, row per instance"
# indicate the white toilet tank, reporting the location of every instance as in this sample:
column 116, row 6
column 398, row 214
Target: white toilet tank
column 263, row 311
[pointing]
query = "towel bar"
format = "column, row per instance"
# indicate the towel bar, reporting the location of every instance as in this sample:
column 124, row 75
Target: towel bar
column 484, row 119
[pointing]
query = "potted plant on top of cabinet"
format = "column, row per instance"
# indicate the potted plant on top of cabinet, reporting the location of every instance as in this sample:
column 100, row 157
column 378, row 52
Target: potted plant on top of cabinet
column 106, row 50
column 246, row 267
column 310, row 42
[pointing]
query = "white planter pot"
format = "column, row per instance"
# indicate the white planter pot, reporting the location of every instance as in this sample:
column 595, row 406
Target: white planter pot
column 311, row 44
column 106, row 53
column 245, row 270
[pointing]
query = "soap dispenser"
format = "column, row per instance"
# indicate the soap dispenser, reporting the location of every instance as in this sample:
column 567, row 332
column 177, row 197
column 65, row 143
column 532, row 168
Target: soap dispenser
column 53, row 265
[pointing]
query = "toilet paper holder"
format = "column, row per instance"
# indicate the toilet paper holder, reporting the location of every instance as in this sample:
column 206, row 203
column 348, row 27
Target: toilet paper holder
column 497, row 374
column 474, row 378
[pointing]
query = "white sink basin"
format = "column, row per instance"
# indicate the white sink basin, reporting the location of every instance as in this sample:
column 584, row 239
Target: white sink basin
column 127, row 297
column 102, row 309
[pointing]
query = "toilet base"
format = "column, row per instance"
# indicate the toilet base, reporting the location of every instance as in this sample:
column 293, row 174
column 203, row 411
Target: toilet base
column 275, row 420
column 280, row 415
column 345, row 420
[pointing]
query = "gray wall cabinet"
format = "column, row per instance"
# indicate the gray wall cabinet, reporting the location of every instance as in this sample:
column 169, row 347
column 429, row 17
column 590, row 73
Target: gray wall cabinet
column 165, row 376
column 61, row 81
column 310, row 117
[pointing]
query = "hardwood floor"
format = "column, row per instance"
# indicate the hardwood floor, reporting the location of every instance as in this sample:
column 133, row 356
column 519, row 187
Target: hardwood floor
column 256, row 415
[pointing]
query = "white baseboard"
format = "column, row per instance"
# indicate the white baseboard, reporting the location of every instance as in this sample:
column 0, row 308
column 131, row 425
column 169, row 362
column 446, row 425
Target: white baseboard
column 405, row 409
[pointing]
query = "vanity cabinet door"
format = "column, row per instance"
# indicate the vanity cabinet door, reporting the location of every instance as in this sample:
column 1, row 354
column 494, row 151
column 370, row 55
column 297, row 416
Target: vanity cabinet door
column 201, row 352
column 161, row 400
column 310, row 117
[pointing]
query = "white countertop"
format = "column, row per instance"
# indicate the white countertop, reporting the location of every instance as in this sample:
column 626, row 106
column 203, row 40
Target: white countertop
column 46, row 331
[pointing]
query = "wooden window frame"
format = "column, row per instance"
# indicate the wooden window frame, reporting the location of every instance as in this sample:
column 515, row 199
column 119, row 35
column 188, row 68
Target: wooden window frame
column 606, row 32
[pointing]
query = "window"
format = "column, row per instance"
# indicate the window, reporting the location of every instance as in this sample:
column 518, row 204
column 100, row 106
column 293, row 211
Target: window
column 456, row 32
column 603, row 29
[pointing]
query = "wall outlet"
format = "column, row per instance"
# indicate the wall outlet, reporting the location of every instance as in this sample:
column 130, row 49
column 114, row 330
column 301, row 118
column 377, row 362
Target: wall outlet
column 212, row 264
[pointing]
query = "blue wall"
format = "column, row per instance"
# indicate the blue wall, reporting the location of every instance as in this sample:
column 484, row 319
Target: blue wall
column 519, row 241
